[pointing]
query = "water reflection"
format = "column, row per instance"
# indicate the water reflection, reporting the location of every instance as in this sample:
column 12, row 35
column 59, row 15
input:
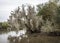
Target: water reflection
column 4, row 36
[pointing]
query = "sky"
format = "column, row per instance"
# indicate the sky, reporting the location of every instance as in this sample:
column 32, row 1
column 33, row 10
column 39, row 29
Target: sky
column 6, row 6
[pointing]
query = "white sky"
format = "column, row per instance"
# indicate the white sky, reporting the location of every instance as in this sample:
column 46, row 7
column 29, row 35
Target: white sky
column 7, row 5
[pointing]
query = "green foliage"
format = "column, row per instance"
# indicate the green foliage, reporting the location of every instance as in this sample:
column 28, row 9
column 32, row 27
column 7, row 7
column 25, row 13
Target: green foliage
column 48, row 10
column 47, row 17
column 51, row 12
column 58, row 15
column 4, row 25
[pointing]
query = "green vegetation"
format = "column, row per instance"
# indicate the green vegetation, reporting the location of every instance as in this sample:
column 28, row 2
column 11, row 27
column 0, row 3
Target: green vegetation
column 45, row 20
column 42, row 26
column 4, row 26
column 50, row 14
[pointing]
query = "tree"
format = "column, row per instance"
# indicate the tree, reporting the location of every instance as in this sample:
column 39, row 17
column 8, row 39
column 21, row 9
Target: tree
column 48, row 12
column 4, row 25
column 16, row 18
column 20, row 20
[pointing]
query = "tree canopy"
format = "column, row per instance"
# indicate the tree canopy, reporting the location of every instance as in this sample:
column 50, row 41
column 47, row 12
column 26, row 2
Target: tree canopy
column 45, row 20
